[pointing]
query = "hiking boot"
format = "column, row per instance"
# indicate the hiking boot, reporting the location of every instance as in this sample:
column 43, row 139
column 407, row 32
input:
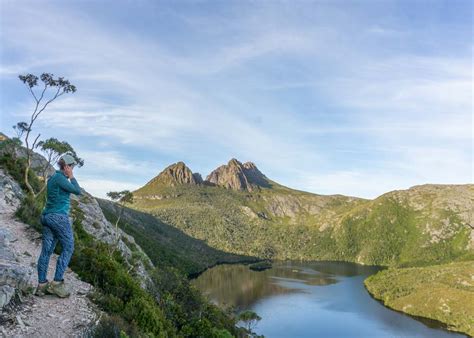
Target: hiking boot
column 41, row 289
column 58, row 289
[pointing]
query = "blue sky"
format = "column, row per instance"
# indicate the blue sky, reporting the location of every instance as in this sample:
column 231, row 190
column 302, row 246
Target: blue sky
column 349, row 97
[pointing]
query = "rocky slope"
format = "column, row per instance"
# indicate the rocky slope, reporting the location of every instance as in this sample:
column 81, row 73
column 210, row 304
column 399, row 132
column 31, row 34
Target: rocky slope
column 238, row 176
column 20, row 244
column 21, row 313
column 175, row 174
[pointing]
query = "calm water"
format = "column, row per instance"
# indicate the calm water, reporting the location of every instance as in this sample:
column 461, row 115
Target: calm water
column 315, row 299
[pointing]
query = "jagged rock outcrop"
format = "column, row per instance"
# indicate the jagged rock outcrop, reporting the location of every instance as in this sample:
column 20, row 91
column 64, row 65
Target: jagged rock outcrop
column 237, row 176
column 10, row 193
column 14, row 278
column 198, row 178
column 176, row 174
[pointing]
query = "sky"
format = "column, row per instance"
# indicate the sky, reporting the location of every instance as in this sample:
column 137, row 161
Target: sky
column 331, row 97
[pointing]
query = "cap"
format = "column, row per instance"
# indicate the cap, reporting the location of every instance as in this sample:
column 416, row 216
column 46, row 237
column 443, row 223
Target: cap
column 68, row 159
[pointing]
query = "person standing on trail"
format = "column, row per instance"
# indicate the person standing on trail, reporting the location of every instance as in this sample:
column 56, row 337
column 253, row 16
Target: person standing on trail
column 57, row 227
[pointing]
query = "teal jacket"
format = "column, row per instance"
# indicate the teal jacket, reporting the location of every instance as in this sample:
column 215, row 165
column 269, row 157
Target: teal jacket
column 58, row 190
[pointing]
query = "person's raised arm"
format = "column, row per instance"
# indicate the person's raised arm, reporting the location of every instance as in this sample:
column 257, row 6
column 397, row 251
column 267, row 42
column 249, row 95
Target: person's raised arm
column 72, row 187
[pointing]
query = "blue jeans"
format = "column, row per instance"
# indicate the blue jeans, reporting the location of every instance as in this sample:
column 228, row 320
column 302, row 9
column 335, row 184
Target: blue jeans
column 56, row 227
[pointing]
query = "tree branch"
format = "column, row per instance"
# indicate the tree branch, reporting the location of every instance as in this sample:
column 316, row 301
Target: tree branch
column 46, row 104
column 36, row 139
column 42, row 93
column 32, row 93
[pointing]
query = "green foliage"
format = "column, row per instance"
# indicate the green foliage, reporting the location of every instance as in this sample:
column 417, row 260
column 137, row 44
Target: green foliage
column 187, row 309
column 30, row 211
column 440, row 292
column 30, row 208
column 123, row 197
column 164, row 244
column 63, row 86
column 250, row 319
column 386, row 231
column 169, row 307
column 16, row 167
column 53, row 148
column 113, row 326
column 10, row 146
column 21, row 128
column 119, row 293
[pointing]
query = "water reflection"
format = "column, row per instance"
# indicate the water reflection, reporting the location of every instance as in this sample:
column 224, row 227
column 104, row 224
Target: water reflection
column 241, row 287
column 310, row 299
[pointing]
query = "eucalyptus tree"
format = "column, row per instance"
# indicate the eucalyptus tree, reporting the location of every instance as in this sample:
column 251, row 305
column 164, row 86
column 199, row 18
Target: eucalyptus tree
column 122, row 197
column 49, row 90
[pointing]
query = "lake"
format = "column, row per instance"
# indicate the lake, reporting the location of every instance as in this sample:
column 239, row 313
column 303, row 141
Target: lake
column 311, row 299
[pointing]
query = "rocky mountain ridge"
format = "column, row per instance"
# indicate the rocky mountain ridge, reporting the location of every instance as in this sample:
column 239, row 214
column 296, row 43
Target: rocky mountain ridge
column 237, row 176
column 234, row 175
column 174, row 174
column 235, row 212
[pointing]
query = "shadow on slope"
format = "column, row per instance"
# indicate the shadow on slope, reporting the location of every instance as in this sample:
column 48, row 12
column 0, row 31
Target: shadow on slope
column 167, row 245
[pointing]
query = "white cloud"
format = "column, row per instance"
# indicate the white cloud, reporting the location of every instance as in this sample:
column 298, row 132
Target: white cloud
column 135, row 91
column 107, row 162
column 99, row 187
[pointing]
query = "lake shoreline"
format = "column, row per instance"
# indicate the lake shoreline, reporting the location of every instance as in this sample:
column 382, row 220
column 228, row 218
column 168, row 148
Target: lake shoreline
column 251, row 260
column 320, row 287
column 195, row 275
column 383, row 287
column 430, row 322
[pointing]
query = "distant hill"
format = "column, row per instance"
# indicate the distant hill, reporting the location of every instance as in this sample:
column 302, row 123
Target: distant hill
column 443, row 292
column 238, row 209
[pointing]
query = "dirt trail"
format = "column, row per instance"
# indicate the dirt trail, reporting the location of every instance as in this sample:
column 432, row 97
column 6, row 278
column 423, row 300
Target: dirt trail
column 34, row 316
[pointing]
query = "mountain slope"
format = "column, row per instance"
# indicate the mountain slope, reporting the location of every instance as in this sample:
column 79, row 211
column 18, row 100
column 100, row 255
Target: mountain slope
column 424, row 224
column 166, row 245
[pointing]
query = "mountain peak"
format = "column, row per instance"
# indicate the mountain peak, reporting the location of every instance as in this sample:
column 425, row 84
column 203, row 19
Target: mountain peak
column 250, row 165
column 238, row 176
column 234, row 163
column 176, row 174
